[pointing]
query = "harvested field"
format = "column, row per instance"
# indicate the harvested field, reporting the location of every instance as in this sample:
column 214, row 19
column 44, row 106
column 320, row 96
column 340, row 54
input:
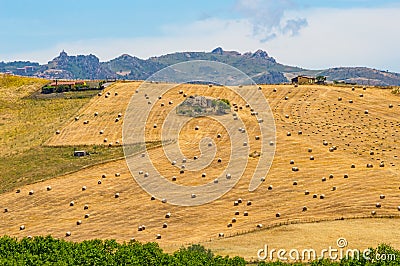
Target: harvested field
column 336, row 133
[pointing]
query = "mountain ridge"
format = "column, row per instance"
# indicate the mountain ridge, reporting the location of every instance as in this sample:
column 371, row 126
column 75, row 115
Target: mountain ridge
column 259, row 65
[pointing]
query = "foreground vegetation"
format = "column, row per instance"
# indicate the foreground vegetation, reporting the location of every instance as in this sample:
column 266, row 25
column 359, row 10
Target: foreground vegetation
column 27, row 123
column 50, row 251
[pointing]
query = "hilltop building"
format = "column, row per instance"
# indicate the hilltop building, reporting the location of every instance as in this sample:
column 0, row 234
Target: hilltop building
column 302, row 80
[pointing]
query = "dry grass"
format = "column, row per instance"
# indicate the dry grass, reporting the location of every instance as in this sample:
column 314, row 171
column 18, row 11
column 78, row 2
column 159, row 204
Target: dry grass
column 26, row 123
column 314, row 110
column 359, row 233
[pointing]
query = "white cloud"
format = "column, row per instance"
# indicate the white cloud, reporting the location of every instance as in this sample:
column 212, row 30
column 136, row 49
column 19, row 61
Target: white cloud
column 268, row 18
column 333, row 37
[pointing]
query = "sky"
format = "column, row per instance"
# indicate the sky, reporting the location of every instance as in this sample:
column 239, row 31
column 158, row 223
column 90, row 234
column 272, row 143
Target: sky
column 314, row 34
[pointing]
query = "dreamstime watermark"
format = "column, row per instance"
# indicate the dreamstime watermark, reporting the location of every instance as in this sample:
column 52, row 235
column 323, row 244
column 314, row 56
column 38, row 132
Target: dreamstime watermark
column 160, row 94
column 337, row 252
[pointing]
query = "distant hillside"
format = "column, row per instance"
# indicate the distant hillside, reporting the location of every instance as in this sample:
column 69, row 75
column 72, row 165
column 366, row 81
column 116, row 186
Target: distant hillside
column 362, row 75
column 261, row 67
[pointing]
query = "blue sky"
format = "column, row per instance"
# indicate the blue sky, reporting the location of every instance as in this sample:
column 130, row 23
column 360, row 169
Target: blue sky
column 308, row 33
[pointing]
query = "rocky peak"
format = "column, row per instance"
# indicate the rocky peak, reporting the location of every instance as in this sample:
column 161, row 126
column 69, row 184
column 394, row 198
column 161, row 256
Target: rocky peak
column 260, row 53
column 217, row 50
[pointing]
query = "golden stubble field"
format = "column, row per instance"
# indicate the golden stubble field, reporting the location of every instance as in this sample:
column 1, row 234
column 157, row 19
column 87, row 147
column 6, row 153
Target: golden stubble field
column 337, row 133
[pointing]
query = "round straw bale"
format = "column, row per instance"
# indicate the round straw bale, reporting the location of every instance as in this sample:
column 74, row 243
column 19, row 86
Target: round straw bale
column 68, row 234
column 58, row 132
column 48, row 188
column 86, row 207
column 165, row 225
column 381, row 196
column 72, row 203
column 306, row 192
column 346, row 176
column 168, row 215
column 245, row 213
column 164, row 200
column 304, row 208
column 22, row 227
column 99, row 182
column 277, row 215
column 259, row 225
column 79, row 222
column 378, row 205
column 116, row 195
column 83, row 188
column 31, row 192
column 87, row 215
